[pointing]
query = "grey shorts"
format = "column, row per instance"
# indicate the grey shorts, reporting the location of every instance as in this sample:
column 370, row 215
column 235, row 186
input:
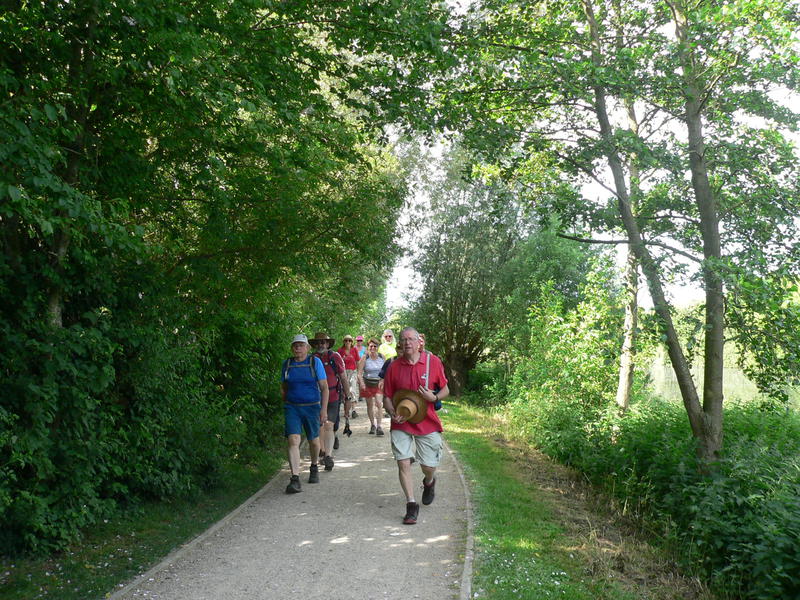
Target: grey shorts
column 426, row 449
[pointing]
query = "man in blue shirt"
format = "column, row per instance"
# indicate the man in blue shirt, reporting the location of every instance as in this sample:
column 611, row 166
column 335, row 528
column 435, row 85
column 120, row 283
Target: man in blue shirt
column 304, row 388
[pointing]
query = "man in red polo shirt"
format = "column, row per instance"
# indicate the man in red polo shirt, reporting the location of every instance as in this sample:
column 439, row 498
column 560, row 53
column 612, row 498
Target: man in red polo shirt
column 422, row 372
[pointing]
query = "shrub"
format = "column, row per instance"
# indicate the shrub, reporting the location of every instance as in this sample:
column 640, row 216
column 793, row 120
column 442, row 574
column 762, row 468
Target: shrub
column 740, row 524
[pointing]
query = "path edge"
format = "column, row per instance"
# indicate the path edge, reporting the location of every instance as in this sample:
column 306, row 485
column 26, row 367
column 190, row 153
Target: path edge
column 469, row 546
column 173, row 556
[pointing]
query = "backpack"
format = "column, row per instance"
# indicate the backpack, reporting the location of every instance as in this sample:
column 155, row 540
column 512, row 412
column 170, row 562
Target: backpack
column 332, row 363
column 287, row 365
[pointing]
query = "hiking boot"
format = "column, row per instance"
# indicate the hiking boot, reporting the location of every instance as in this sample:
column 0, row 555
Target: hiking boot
column 354, row 415
column 379, row 431
column 328, row 461
column 336, row 443
column 294, row 485
column 313, row 476
column 371, row 429
column 427, row 492
column 412, row 512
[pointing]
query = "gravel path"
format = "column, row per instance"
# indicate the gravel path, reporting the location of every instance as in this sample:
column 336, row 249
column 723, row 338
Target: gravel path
column 341, row 539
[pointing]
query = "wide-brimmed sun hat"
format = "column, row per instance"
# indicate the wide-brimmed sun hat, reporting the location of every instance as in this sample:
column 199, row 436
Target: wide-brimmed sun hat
column 347, row 337
column 359, row 338
column 411, row 405
column 321, row 337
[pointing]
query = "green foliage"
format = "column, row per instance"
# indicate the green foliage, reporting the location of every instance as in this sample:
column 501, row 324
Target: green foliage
column 184, row 186
column 522, row 549
column 123, row 546
column 481, row 265
column 738, row 526
column 765, row 316
column 599, row 110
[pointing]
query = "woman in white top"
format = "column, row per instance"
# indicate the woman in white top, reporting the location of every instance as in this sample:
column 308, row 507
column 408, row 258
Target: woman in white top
column 369, row 368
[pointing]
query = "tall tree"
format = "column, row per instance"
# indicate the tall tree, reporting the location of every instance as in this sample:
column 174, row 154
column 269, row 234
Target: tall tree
column 552, row 82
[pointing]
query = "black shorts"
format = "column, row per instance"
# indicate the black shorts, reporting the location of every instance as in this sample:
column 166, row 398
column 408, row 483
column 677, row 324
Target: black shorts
column 333, row 414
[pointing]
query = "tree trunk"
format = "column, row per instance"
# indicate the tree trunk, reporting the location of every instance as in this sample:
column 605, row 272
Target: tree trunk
column 80, row 70
column 712, row 248
column 627, row 360
column 627, row 364
column 691, row 400
column 456, row 373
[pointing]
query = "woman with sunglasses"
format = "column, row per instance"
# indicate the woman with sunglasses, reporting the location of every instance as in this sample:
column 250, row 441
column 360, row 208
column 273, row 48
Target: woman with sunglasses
column 369, row 368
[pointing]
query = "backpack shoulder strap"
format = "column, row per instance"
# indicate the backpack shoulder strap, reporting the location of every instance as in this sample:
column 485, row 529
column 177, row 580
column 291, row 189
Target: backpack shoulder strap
column 427, row 368
column 332, row 362
column 312, row 366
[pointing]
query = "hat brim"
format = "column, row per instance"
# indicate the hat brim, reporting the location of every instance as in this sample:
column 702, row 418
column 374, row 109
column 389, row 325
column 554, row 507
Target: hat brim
column 416, row 399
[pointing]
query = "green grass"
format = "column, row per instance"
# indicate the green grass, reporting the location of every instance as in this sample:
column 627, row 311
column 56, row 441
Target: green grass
column 521, row 550
column 120, row 549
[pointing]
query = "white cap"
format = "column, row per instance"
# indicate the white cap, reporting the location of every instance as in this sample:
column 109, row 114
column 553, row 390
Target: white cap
column 300, row 338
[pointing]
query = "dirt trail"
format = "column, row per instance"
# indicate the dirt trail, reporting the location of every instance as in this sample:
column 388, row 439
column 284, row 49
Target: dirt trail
column 340, row 539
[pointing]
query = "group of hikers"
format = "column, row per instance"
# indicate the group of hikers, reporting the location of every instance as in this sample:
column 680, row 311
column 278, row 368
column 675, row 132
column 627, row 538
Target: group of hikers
column 398, row 377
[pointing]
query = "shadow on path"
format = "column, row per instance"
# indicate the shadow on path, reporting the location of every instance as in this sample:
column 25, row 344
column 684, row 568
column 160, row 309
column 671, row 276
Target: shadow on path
column 341, row 539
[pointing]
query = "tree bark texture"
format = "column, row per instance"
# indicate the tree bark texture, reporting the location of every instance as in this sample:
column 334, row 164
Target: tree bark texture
column 628, row 358
column 649, row 266
column 712, row 249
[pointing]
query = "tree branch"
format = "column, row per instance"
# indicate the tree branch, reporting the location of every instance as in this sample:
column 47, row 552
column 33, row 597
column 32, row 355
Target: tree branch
column 646, row 243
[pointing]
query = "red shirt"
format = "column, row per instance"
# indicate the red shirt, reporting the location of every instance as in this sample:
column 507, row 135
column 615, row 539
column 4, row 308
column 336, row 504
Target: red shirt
column 350, row 359
column 402, row 375
column 333, row 379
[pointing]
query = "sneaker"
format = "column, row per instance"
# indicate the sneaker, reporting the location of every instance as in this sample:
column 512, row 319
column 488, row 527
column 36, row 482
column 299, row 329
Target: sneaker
column 313, row 477
column 336, row 443
column 371, row 429
column 412, row 512
column 354, row 415
column 379, row 431
column 328, row 461
column 294, row 485
column 428, row 492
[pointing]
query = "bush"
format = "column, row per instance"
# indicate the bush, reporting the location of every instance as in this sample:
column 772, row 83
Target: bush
column 740, row 525
column 486, row 384
column 100, row 414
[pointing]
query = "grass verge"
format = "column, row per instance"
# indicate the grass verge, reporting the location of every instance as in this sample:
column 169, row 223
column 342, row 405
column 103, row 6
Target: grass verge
column 120, row 549
column 540, row 532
